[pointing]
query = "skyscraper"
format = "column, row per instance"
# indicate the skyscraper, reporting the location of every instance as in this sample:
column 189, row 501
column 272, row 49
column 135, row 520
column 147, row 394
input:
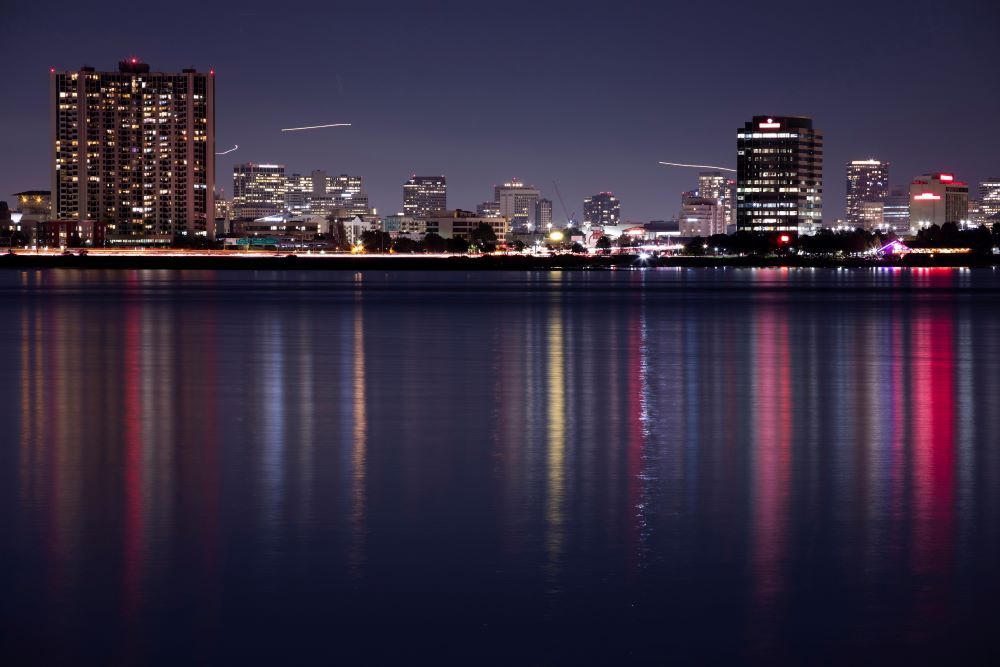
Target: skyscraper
column 779, row 174
column 867, row 181
column 989, row 199
column 258, row 190
column 713, row 185
column 423, row 195
column 602, row 209
column 134, row 149
column 936, row 199
column 543, row 214
column 517, row 203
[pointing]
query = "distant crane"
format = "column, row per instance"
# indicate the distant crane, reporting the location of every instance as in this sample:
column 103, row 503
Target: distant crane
column 562, row 202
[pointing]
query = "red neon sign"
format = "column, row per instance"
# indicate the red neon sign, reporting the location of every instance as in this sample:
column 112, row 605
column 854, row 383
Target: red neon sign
column 947, row 178
column 927, row 196
column 769, row 125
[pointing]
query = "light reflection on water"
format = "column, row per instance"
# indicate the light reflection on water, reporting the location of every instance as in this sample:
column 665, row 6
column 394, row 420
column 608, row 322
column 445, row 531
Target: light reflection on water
column 577, row 466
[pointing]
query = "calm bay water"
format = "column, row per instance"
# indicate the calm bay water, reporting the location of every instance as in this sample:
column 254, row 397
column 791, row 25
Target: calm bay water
column 667, row 466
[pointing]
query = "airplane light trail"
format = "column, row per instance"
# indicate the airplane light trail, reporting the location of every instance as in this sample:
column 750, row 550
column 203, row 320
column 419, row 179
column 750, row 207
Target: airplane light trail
column 236, row 146
column 696, row 166
column 314, row 127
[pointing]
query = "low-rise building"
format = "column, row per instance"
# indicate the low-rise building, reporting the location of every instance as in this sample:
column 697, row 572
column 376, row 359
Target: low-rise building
column 71, row 233
column 459, row 224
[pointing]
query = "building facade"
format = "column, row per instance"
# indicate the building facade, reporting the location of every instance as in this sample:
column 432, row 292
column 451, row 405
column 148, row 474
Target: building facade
column 134, row 149
column 870, row 216
column 516, row 202
column 936, row 199
column 701, row 216
column 714, row 185
column 258, row 190
column 459, row 224
column 867, row 181
column 602, row 210
column 779, row 174
column 896, row 210
column 424, row 195
column 989, row 200
column 543, row 214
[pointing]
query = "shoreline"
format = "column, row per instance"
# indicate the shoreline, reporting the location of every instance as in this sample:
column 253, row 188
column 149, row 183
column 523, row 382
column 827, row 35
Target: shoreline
column 345, row 262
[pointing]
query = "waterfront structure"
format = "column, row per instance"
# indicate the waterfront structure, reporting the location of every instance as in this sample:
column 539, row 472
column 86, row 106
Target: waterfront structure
column 701, row 216
column 602, row 210
column 867, row 181
column 459, row 224
column 779, row 175
column 989, row 199
column 543, row 214
column 870, row 216
column 258, row 190
column 936, row 199
column 896, row 210
column 714, row 185
column 134, row 149
column 424, row 195
column 516, row 202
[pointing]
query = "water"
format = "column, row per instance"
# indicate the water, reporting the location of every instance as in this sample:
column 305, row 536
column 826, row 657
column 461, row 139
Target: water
column 669, row 466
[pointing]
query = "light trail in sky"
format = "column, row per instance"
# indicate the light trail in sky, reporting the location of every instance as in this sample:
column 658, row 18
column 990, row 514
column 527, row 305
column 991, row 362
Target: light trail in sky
column 314, row 127
column 697, row 166
column 235, row 146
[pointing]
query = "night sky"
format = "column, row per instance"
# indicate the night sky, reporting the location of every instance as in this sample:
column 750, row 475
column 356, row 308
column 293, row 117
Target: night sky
column 587, row 94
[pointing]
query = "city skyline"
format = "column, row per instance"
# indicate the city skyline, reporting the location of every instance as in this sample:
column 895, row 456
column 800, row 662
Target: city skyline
column 477, row 140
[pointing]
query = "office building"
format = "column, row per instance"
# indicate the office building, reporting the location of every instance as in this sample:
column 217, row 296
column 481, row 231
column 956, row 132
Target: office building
column 870, row 216
column 258, row 190
column 867, row 181
column 779, row 175
column 713, row 185
column 701, row 216
column 459, row 224
column 543, row 214
column 896, row 210
column 936, row 199
column 488, row 209
column 134, row 149
column 989, row 199
column 516, row 202
column 602, row 210
column 424, row 195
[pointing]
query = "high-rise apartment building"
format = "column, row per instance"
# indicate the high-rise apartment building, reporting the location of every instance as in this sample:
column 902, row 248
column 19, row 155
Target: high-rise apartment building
column 779, row 174
column 601, row 210
column 713, row 185
column 543, row 214
column 424, row 195
column 134, row 149
column 867, row 181
column 989, row 200
column 516, row 202
column 936, row 199
column 258, row 190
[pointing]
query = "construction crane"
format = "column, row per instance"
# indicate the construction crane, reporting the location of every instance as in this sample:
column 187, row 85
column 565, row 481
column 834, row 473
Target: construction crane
column 562, row 202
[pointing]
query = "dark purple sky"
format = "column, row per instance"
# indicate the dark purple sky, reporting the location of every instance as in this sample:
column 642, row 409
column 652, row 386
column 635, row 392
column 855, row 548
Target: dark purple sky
column 588, row 94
